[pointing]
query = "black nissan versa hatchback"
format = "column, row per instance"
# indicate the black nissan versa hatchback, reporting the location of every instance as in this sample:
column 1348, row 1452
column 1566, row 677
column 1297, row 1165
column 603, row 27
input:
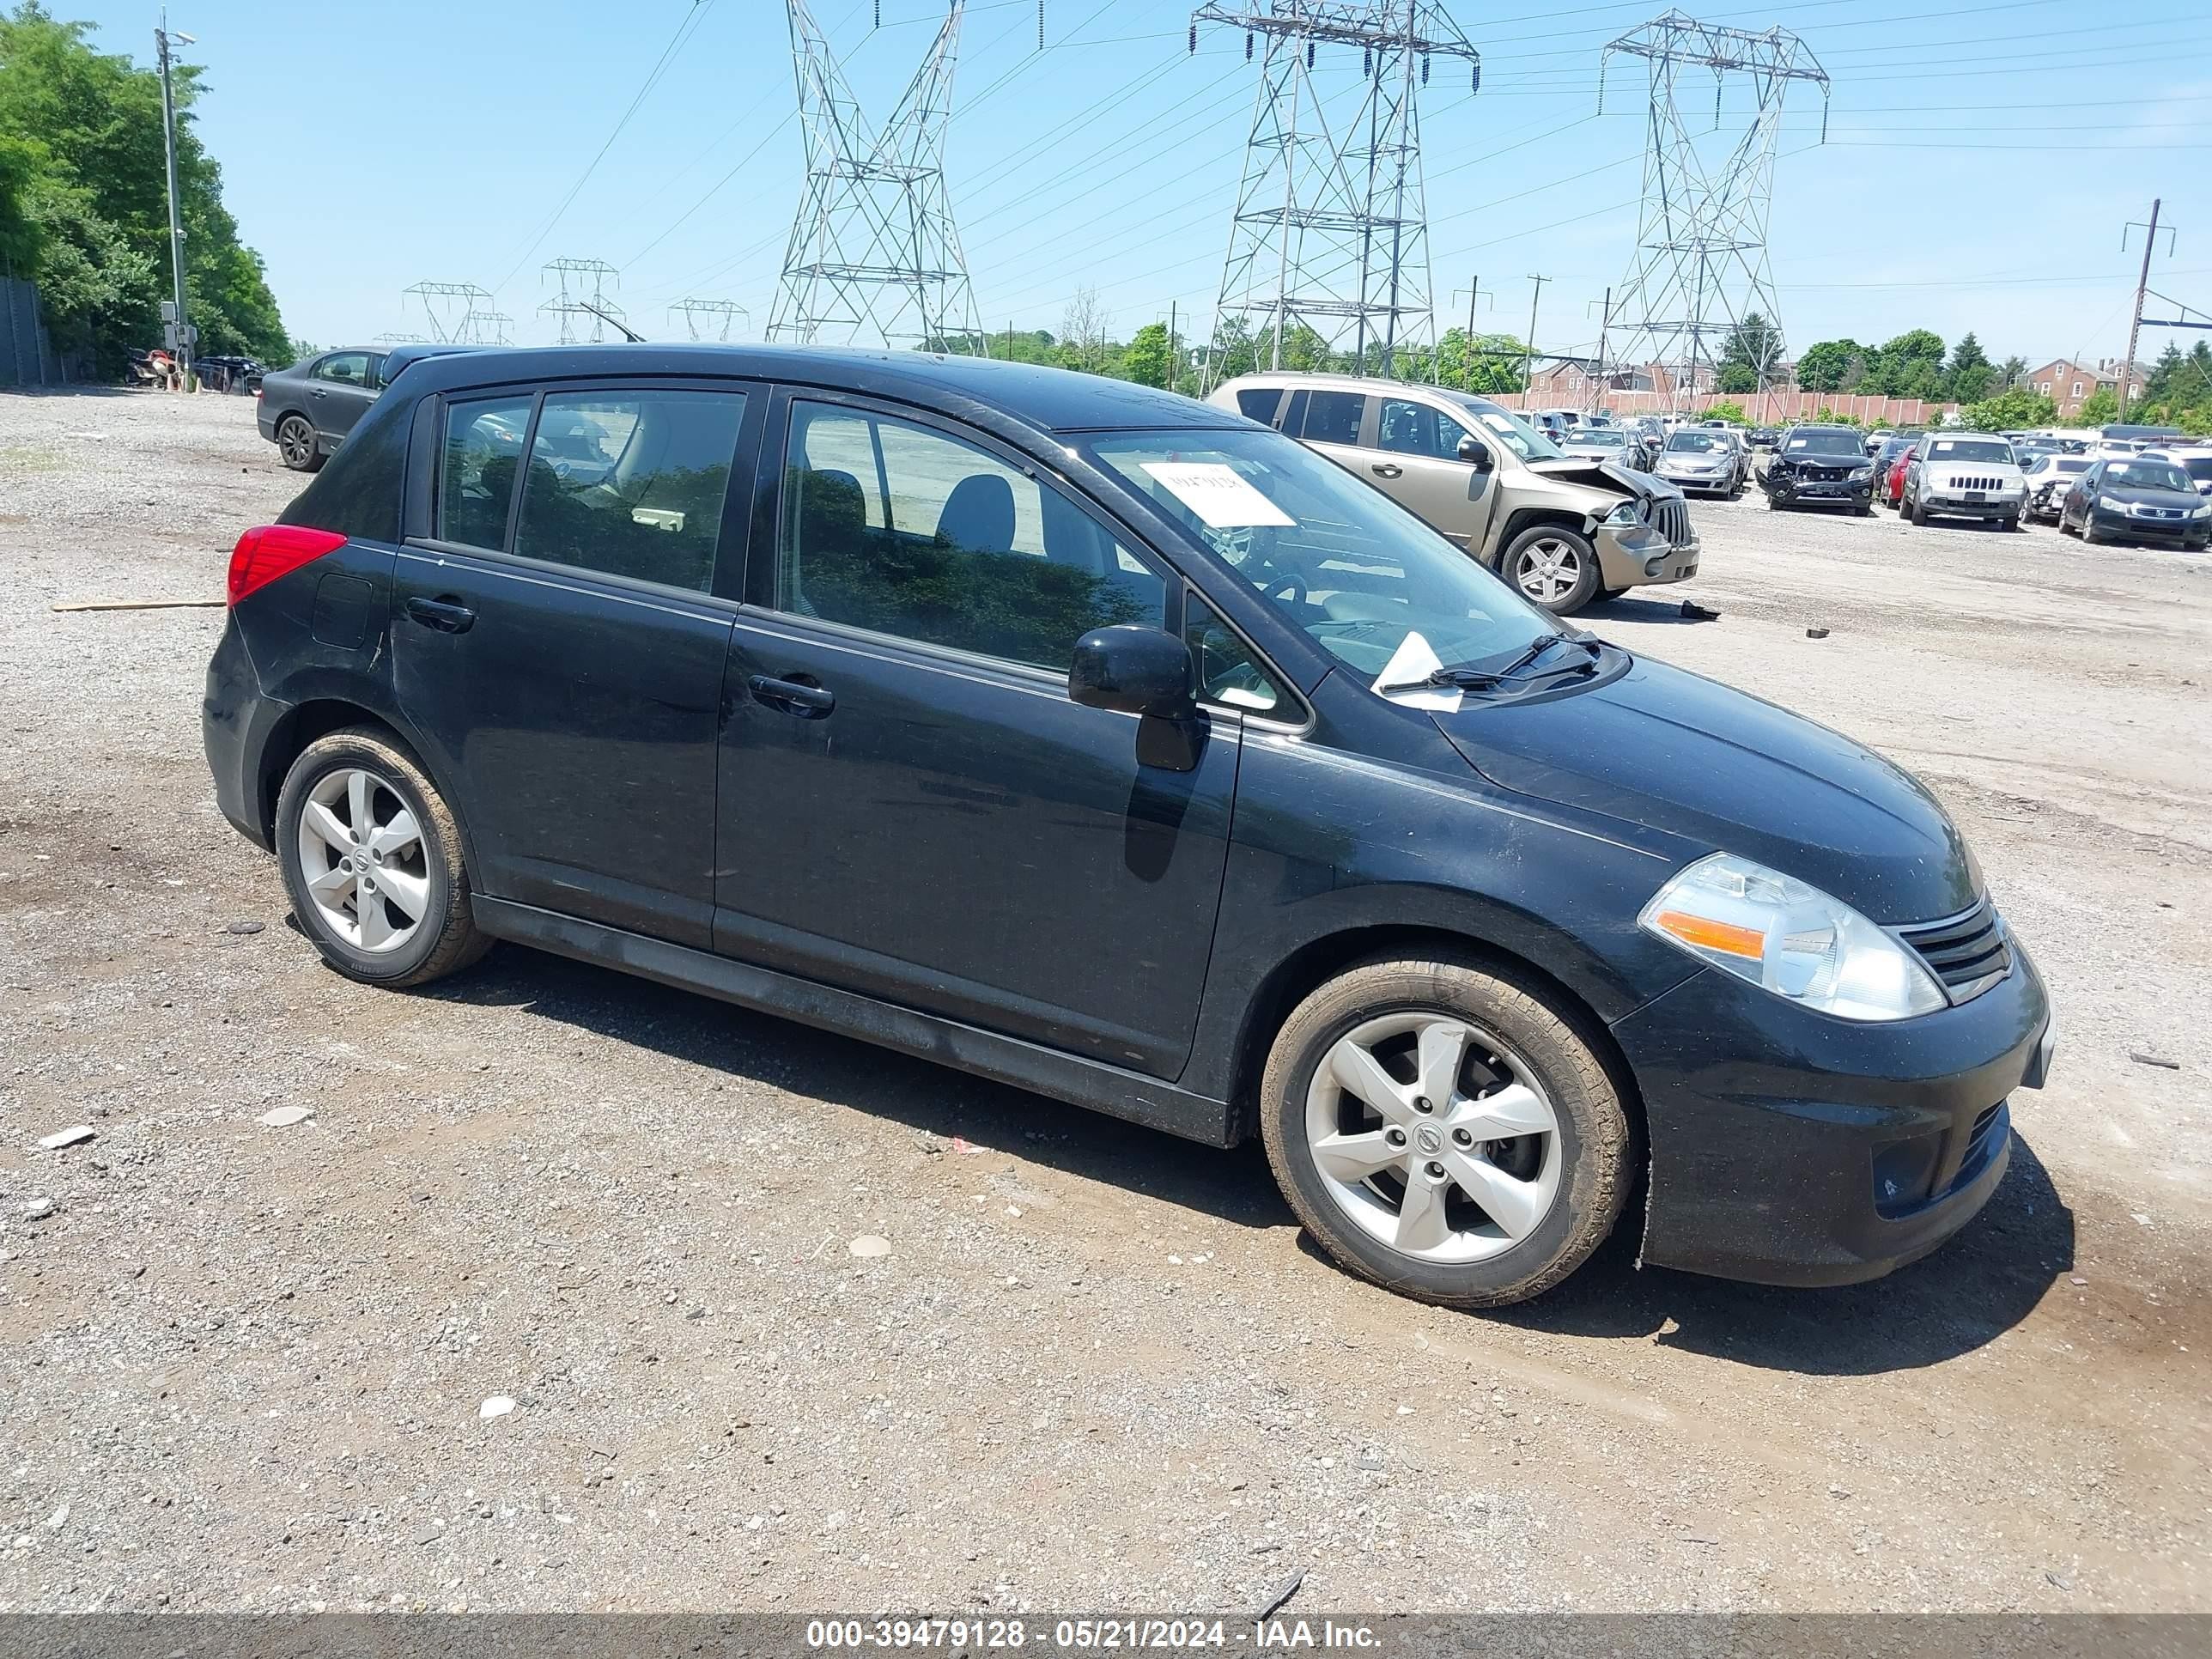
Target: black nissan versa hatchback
column 1089, row 739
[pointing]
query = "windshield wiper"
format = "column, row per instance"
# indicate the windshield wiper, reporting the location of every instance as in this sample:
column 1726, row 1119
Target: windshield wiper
column 1479, row 677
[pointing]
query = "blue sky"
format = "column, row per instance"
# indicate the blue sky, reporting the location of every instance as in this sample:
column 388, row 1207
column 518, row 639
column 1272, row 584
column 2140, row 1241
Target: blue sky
column 1983, row 155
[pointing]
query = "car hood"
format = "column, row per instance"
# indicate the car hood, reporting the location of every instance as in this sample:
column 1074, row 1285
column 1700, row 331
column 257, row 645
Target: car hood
column 1605, row 475
column 1821, row 457
column 1674, row 751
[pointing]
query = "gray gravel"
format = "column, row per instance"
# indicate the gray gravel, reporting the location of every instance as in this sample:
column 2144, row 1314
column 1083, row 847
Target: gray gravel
column 246, row 1367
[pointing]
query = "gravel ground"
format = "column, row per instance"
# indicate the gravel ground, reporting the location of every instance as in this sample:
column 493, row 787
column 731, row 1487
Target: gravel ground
column 243, row 1367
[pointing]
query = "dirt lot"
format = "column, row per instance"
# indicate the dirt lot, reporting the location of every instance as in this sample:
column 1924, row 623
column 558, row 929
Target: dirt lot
column 242, row 1367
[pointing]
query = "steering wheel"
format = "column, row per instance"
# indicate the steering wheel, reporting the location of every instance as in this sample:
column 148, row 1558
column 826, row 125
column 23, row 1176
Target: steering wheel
column 1284, row 588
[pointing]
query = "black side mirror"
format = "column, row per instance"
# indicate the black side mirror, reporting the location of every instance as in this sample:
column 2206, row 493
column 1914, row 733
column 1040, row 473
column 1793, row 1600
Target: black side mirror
column 1144, row 671
column 1472, row 452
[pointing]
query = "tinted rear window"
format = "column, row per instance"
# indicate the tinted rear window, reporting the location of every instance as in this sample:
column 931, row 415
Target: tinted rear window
column 1260, row 402
column 358, row 491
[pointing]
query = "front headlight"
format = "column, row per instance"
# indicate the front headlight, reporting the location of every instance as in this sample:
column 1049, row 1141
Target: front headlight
column 2203, row 512
column 1623, row 515
column 1865, row 471
column 2111, row 505
column 1774, row 932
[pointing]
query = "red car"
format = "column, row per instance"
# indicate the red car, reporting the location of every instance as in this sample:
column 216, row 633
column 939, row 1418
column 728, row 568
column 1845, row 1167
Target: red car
column 1889, row 478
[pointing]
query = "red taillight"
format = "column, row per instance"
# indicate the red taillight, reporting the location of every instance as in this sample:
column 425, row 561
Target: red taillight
column 270, row 551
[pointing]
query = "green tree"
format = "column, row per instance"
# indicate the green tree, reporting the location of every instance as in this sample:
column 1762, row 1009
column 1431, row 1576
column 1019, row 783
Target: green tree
column 1909, row 366
column 1968, row 379
column 1750, row 355
column 1733, row 413
column 2103, row 406
column 2009, row 410
column 2009, row 374
column 1150, row 359
column 80, row 167
column 1823, row 367
column 2165, row 375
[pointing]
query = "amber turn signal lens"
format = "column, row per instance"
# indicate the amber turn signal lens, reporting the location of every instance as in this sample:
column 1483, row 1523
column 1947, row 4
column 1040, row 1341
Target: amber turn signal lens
column 1710, row 935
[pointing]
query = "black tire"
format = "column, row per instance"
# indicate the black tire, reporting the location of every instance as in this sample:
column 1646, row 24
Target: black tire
column 1918, row 513
column 1586, row 579
column 445, row 938
column 2091, row 536
column 1864, row 509
column 1774, row 504
column 295, row 444
column 1597, row 1161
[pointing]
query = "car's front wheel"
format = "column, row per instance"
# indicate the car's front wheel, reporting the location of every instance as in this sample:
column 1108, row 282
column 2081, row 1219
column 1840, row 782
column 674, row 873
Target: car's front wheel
column 1553, row 566
column 1446, row 1130
column 372, row 860
column 295, row 444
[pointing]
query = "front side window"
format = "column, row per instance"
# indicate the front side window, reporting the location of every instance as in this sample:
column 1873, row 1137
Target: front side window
column 1333, row 417
column 348, row 368
column 1406, row 427
column 906, row 531
column 476, row 465
column 1343, row 562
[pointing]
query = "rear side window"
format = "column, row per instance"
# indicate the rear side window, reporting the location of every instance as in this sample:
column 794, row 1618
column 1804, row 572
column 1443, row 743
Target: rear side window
column 477, row 460
column 1260, row 402
column 631, row 483
column 1333, row 417
column 903, row 530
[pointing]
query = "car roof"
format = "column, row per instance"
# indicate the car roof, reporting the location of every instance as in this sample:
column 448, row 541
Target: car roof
column 1047, row 399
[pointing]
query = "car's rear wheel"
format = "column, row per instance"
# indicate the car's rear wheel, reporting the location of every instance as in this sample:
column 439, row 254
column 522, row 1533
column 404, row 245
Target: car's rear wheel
column 1553, row 566
column 295, row 444
column 372, row 860
column 1445, row 1130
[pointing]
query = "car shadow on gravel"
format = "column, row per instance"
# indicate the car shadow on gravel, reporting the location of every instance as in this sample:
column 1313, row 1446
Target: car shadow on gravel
column 1980, row 1284
column 934, row 1101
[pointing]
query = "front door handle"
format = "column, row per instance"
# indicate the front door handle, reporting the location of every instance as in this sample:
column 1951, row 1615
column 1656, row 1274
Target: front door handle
column 446, row 616
column 808, row 702
column 1386, row 470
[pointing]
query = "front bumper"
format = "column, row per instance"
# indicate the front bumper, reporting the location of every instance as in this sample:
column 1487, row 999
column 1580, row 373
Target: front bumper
column 2164, row 532
column 1791, row 1148
column 1639, row 556
column 1820, row 492
column 1993, row 505
column 1700, row 484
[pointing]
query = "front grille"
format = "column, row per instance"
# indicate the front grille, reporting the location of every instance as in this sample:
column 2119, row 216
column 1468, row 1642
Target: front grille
column 1825, row 474
column 1973, row 484
column 2162, row 512
column 1968, row 952
column 1672, row 520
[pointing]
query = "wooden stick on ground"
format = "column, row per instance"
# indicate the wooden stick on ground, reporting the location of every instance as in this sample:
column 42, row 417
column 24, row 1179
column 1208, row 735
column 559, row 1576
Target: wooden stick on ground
column 142, row 605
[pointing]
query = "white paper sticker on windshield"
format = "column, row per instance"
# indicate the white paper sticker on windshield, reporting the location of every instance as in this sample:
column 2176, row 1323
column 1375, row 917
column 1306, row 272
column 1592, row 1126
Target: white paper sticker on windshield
column 1218, row 493
column 1944, row 446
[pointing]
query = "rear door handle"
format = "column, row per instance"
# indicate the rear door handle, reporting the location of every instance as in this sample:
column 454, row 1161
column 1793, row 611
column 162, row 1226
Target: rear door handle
column 446, row 616
column 1386, row 470
column 808, row 702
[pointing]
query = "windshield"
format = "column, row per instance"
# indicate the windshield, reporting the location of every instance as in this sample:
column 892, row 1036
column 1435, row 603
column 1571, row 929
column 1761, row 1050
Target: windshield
column 2198, row 466
column 1523, row 439
column 1356, row 571
column 1600, row 437
column 1707, row 442
column 2150, row 475
column 1993, row 452
column 1823, row 441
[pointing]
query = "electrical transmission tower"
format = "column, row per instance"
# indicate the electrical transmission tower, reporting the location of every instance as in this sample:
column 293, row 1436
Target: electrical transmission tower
column 582, row 291
column 485, row 328
column 708, row 320
column 1330, row 234
column 1700, row 267
column 446, row 307
column 873, row 256
column 396, row 336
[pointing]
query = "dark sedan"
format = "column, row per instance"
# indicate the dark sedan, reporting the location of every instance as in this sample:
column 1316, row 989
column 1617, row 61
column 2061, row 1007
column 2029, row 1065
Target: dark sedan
column 1821, row 466
column 307, row 410
column 2137, row 499
column 1114, row 745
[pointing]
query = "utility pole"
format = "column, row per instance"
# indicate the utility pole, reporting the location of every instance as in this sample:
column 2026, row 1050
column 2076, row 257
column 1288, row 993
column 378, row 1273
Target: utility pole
column 1602, row 385
column 183, row 341
column 1467, row 357
column 1528, row 358
column 2135, row 324
column 1174, row 361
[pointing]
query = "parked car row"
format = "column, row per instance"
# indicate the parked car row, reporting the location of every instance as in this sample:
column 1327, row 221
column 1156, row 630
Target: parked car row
column 1116, row 746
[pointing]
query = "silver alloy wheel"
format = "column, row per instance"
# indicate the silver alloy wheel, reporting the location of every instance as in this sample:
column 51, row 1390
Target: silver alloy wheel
column 1547, row 570
column 362, row 859
column 295, row 440
column 1427, row 1166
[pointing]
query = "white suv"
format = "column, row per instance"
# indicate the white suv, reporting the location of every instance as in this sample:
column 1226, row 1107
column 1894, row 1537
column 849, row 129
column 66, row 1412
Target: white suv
column 1964, row 475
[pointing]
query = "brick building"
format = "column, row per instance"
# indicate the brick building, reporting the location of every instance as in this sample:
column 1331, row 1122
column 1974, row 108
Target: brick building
column 2069, row 385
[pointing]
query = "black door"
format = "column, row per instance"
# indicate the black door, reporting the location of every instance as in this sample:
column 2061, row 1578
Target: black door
column 562, row 654
column 911, row 807
column 340, row 389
